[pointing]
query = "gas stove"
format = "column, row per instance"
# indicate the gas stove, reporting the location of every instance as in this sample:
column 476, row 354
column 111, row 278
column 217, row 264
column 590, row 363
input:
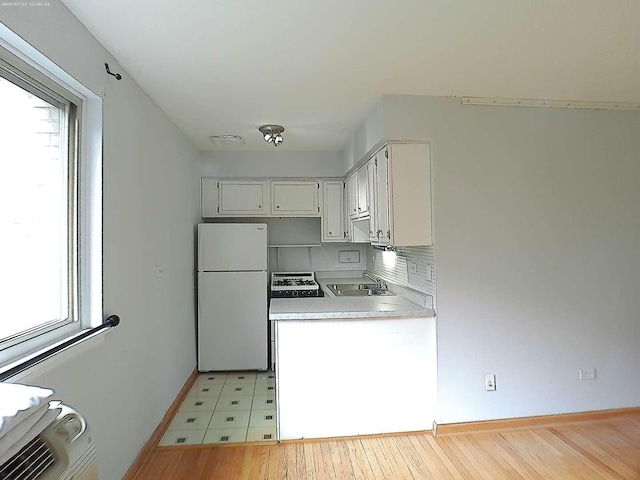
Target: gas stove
column 294, row 284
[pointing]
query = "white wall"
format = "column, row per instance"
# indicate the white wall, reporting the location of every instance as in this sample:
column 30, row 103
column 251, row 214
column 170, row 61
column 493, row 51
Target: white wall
column 537, row 220
column 272, row 164
column 151, row 190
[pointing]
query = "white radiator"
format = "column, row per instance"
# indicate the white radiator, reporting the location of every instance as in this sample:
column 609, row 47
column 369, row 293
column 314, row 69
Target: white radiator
column 64, row 450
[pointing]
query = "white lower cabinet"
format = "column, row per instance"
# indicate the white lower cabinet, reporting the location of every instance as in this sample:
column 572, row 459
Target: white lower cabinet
column 376, row 376
column 332, row 211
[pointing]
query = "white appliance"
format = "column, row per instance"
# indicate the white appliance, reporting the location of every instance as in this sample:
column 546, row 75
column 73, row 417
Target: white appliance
column 294, row 284
column 232, row 296
column 64, row 450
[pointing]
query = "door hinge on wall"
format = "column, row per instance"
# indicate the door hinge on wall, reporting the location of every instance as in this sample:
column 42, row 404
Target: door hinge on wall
column 218, row 184
column 218, row 208
column 386, row 154
column 318, row 209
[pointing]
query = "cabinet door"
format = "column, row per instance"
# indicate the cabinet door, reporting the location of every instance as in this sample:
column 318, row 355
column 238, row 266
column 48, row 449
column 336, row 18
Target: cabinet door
column 332, row 209
column 383, row 228
column 209, row 197
column 371, row 187
column 410, row 194
column 348, row 227
column 363, row 192
column 242, row 197
column 295, row 198
column 352, row 195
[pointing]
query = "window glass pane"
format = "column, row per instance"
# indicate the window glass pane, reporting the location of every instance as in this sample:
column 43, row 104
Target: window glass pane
column 34, row 211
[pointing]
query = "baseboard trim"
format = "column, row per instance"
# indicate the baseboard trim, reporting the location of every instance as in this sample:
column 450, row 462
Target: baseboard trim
column 529, row 422
column 353, row 437
column 161, row 428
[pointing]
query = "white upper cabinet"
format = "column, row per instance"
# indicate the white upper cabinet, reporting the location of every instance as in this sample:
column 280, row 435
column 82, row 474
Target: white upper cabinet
column 293, row 198
column 363, row 192
column 242, row 197
column 351, row 192
column 348, row 228
column 234, row 197
column 209, row 197
column 357, row 194
column 381, row 229
column 402, row 211
column 332, row 211
column 371, row 189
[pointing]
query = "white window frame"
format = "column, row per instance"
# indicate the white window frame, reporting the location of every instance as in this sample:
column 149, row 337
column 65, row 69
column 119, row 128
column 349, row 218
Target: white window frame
column 87, row 234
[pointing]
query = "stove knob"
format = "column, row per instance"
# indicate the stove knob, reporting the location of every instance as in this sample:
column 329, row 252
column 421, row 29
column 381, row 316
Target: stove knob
column 295, row 293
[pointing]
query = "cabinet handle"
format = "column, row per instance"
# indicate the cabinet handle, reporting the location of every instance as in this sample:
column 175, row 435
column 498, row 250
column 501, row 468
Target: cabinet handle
column 277, row 206
column 259, row 206
column 370, row 233
column 330, row 233
column 359, row 209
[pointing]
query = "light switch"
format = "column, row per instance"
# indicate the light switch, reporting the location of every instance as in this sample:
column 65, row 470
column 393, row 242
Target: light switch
column 429, row 273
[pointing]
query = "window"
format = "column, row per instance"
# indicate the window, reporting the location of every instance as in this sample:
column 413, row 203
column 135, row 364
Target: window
column 49, row 189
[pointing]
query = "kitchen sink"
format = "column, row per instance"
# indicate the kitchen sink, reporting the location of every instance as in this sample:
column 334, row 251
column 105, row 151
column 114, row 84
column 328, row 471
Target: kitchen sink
column 357, row 290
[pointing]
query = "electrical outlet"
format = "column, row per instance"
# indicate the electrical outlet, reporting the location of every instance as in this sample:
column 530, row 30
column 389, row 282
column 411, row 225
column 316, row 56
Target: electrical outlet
column 414, row 267
column 373, row 259
column 490, row 382
column 159, row 271
column 587, row 373
column 429, row 273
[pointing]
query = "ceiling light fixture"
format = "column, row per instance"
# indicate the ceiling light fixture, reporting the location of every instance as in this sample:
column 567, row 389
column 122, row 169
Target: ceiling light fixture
column 272, row 134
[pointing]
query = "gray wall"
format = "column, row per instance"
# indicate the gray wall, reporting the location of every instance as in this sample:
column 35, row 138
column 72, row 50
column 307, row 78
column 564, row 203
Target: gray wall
column 368, row 134
column 151, row 183
column 537, row 221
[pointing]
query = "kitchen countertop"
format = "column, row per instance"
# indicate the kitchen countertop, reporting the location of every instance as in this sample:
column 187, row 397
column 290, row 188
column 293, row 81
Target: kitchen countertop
column 330, row 306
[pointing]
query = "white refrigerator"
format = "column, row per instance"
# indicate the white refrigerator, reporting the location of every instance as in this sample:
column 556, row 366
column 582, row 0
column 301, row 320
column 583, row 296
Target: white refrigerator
column 232, row 296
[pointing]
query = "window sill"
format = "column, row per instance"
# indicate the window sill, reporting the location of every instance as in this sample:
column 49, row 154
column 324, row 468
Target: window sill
column 42, row 368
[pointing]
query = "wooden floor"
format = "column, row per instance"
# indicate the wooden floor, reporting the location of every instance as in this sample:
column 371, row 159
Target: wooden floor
column 601, row 449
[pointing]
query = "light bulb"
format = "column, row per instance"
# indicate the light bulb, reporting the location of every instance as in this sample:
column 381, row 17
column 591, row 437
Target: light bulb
column 278, row 140
column 268, row 137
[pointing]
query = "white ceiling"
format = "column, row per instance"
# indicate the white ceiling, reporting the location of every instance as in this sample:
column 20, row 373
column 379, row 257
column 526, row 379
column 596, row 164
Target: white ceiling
column 318, row 67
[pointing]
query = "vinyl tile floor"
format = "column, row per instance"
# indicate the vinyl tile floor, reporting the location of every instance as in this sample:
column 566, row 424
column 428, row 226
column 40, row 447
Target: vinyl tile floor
column 226, row 407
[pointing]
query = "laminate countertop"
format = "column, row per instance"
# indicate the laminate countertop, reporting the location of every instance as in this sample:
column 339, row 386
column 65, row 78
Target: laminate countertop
column 331, row 307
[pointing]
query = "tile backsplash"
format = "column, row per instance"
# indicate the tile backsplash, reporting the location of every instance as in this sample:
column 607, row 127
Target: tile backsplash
column 328, row 257
column 397, row 267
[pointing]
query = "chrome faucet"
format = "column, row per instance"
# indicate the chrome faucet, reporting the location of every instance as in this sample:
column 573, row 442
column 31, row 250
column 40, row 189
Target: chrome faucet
column 380, row 285
column 368, row 275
